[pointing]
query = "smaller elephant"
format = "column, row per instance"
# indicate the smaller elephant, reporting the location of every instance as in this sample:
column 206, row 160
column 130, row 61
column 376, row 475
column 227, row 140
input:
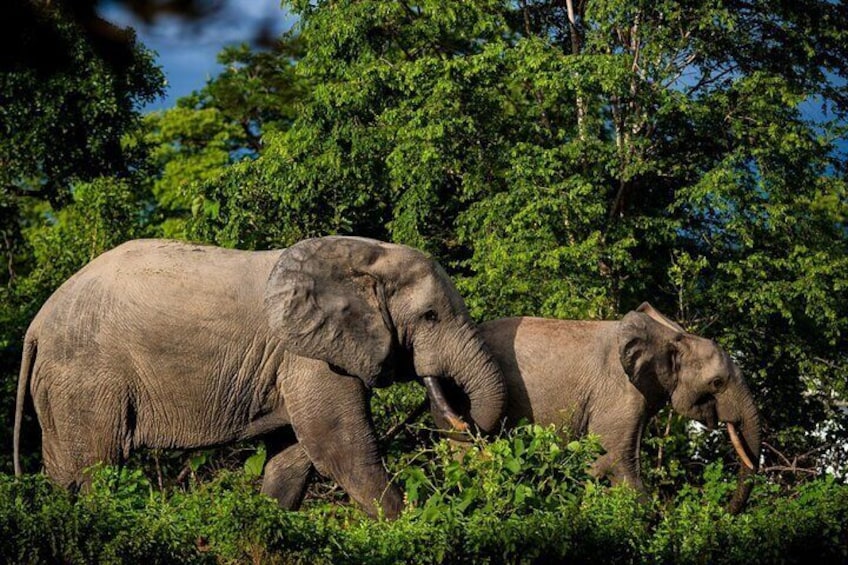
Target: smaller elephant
column 610, row 377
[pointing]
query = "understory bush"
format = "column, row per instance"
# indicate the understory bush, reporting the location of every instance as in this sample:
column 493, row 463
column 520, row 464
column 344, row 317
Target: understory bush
column 524, row 497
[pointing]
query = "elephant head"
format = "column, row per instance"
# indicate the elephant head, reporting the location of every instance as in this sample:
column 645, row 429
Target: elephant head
column 379, row 311
column 699, row 379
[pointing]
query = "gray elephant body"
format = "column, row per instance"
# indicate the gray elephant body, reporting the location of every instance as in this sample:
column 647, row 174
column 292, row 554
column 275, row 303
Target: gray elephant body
column 162, row 344
column 147, row 336
column 567, row 373
column 610, row 377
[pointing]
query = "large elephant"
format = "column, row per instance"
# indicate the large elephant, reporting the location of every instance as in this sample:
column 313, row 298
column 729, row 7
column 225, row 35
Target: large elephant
column 610, row 377
column 163, row 344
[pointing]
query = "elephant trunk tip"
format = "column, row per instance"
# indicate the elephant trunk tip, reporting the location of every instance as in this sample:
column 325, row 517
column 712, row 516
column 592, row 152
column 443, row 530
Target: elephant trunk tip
column 743, row 491
column 744, row 433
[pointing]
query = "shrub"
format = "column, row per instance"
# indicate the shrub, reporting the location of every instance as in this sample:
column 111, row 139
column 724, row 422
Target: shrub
column 524, row 470
column 524, row 497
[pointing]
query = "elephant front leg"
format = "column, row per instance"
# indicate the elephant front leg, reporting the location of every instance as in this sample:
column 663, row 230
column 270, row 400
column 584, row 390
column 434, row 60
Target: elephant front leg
column 621, row 436
column 620, row 467
column 331, row 417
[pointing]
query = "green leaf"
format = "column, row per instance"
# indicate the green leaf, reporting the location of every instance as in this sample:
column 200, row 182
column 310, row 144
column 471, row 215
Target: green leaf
column 255, row 463
column 198, row 460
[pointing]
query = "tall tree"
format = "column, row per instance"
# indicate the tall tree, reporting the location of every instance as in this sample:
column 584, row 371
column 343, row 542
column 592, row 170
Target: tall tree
column 67, row 188
column 225, row 122
column 65, row 105
column 575, row 158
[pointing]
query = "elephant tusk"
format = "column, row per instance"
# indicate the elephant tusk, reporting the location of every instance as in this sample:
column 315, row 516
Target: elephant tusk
column 739, row 446
column 434, row 391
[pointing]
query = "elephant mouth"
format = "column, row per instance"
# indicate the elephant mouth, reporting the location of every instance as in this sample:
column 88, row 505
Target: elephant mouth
column 440, row 403
column 397, row 368
column 704, row 411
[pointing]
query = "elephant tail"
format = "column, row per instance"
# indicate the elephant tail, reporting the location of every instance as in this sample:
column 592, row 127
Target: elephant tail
column 27, row 362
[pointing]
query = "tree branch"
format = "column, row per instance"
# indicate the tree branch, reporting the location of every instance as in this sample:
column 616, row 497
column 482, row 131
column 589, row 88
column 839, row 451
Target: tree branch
column 10, row 257
column 792, row 466
column 576, row 47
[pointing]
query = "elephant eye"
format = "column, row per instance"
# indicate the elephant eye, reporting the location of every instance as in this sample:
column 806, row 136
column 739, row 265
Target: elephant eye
column 717, row 384
column 431, row 316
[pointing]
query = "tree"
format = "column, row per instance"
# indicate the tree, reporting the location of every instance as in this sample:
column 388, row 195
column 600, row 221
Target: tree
column 222, row 124
column 65, row 108
column 573, row 159
column 68, row 180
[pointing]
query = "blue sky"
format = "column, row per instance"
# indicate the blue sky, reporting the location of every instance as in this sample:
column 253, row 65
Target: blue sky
column 187, row 52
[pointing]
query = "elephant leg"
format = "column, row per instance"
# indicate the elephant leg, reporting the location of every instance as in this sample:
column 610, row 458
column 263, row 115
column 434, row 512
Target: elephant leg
column 621, row 438
column 68, row 450
column 58, row 460
column 331, row 417
column 287, row 475
column 77, row 433
column 620, row 468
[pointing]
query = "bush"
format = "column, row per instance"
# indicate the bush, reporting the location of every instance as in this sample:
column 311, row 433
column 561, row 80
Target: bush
column 522, row 498
column 524, row 470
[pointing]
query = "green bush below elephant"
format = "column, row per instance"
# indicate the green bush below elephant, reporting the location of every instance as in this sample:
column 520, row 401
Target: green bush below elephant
column 532, row 501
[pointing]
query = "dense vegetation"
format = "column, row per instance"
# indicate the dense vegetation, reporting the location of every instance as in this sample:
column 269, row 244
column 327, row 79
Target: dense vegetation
column 566, row 159
column 477, row 509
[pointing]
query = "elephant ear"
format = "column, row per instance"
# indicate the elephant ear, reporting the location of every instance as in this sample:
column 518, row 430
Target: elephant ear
column 655, row 315
column 649, row 349
column 324, row 302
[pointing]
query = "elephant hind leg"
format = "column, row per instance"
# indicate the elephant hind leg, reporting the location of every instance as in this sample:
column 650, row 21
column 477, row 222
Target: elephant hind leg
column 81, row 428
column 66, row 455
column 287, row 475
column 59, row 464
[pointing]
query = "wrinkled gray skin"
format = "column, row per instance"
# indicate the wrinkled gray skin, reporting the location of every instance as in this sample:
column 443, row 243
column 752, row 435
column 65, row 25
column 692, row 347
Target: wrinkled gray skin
column 162, row 344
column 610, row 377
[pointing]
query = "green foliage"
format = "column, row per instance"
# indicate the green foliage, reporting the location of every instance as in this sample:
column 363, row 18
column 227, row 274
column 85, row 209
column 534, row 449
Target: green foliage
column 67, row 185
column 122, row 518
column 808, row 524
column 189, row 146
column 255, row 463
column 196, row 141
column 66, row 104
column 523, row 471
column 258, row 90
column 391, row 405
column 119, row 521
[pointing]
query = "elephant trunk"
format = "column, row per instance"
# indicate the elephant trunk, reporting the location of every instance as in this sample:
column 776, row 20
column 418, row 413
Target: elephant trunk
column 746, row 439
column 483, row 386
